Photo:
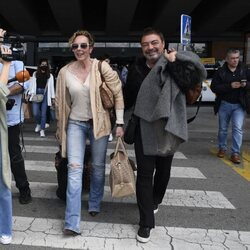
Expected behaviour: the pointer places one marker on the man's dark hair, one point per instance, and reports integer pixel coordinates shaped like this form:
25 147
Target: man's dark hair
232 51
150 31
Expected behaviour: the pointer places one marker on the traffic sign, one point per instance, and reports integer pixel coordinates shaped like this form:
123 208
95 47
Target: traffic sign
185 29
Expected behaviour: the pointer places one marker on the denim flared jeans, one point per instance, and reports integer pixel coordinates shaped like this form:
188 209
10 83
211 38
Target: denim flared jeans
5 205
40 109
234 113
77 134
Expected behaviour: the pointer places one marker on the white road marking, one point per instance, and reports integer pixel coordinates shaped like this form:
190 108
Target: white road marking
173 197
54 149
176 172
29 231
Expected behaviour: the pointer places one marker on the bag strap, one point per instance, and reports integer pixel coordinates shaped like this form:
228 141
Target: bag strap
197 110
100 70
118 144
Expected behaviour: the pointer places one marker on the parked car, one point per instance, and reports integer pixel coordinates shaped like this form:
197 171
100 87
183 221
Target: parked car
207 94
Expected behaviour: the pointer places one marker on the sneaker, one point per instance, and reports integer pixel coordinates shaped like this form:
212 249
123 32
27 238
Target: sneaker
25 196
143 234
46 125
5 239
42 133
110 137
156 209
38 128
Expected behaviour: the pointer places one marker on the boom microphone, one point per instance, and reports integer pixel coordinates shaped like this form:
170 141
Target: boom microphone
21 76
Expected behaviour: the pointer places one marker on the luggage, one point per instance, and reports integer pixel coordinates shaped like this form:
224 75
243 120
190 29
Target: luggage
62 173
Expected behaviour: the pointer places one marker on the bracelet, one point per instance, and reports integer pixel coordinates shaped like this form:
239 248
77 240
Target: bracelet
119 125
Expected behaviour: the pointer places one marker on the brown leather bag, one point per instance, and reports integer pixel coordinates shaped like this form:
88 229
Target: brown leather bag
106 94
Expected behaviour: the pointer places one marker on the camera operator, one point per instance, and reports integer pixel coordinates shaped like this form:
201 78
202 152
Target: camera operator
15 118
5 172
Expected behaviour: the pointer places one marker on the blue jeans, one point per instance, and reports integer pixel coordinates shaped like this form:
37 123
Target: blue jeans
5 206
40 109
77 134
235 113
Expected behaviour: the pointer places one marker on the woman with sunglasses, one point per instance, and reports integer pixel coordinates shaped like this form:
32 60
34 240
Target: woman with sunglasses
81 117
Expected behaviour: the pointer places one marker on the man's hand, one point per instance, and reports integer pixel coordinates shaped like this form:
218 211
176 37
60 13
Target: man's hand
2 33
5 51
235 85
170 54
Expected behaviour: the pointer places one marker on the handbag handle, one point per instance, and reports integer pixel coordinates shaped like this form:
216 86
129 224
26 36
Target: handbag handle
120 143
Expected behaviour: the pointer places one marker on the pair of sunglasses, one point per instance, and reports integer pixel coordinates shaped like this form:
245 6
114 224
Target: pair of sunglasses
75 46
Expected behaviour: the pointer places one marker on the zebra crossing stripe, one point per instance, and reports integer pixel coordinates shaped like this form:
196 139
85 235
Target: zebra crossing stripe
54 149
29 231
176 172
173 197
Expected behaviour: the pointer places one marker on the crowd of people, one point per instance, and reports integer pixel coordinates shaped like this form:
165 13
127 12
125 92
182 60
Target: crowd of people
152 87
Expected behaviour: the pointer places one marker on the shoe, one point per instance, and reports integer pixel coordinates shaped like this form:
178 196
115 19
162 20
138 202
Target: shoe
93 213
143 234
42 133
221 153
5 239
156 209
69 232
46 125
38 128
235 158
25 196
110 137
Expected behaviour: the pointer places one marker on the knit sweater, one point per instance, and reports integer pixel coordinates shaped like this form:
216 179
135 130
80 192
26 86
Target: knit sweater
101 119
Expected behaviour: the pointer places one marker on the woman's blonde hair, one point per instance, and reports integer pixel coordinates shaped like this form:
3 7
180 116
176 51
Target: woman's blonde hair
82 33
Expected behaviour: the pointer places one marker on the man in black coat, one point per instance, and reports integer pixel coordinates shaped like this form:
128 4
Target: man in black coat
229 84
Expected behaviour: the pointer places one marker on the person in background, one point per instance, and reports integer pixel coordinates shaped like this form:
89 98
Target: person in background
81 116
15 118
5 171
229 84
42 83
152 88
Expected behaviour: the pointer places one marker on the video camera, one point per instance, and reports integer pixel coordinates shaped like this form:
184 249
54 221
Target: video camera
15 43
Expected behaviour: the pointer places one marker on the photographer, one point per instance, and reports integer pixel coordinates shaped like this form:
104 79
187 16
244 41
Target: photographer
15 118
5 173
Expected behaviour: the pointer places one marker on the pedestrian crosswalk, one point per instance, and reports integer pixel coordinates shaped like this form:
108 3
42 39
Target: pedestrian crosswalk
46 231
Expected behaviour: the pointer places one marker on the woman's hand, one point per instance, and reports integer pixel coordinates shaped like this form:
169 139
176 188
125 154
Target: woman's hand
119 132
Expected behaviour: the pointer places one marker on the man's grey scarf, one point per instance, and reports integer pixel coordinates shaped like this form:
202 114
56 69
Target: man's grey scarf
162 108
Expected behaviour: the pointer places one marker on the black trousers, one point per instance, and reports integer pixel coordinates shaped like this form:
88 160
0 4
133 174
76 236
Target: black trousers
153 174
16 158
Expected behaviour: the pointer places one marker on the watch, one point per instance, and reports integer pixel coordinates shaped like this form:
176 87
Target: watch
119 125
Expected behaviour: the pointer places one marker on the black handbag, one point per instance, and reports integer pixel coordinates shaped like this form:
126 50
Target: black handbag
130 130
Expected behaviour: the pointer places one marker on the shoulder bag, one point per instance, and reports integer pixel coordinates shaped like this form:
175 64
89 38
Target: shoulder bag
130 130
106 94
122 177
38 97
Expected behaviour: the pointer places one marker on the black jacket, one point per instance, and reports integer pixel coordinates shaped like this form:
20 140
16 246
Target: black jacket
136 74
221 85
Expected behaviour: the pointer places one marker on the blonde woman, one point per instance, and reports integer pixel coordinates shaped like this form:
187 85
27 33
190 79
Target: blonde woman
81 116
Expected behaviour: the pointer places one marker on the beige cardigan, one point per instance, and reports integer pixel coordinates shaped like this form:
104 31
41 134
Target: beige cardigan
101 121
6 172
